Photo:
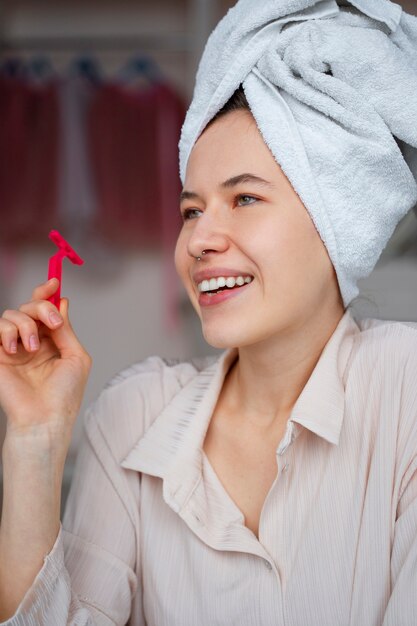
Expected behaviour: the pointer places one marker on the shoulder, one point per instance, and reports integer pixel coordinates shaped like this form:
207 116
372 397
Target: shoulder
383 371
134 397
386 351
157 369
386 341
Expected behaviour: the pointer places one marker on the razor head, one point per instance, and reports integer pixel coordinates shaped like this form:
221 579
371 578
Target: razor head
65 247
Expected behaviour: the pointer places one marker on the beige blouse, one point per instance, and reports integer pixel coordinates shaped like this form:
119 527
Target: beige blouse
151 537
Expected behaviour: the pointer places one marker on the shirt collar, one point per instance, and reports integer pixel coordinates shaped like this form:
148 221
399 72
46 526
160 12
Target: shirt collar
320 406
171 448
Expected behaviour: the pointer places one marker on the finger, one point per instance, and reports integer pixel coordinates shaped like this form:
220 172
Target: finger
8 336
45 290
43 311
25 326
65 338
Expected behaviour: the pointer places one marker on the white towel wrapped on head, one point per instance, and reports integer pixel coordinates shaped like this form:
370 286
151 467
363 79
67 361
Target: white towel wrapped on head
332 86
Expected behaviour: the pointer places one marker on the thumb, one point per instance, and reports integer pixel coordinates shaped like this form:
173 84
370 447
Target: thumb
64 307
64 337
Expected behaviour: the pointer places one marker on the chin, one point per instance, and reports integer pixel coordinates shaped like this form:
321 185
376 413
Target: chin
223 340
218 342
224 337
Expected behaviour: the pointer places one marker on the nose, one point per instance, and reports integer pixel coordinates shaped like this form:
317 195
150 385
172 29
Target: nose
208 234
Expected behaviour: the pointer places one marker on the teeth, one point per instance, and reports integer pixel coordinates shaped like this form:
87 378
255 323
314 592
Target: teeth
230 281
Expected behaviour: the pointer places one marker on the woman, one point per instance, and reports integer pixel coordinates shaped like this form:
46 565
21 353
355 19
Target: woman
275 484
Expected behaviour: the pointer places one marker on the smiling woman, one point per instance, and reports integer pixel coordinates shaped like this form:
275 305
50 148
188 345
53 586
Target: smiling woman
275 484
240 209
280 319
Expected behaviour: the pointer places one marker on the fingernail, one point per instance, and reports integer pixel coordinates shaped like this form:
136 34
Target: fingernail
55 318
13 346
33 342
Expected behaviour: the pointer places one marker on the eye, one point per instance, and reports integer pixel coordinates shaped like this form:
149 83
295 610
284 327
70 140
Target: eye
243 195
188 214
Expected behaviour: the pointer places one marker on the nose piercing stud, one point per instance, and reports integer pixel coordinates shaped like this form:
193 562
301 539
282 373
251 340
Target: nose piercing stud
199 257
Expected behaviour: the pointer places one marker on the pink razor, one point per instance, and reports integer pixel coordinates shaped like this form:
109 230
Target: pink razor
55 262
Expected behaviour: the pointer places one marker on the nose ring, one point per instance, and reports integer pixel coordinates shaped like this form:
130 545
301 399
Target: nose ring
199 257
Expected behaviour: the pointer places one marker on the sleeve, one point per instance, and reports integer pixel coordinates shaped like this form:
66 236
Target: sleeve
88 578
402 605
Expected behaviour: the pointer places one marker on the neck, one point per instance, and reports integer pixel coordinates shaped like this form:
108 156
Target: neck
267 378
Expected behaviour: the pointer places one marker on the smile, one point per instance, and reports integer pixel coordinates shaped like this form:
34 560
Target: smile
221 283
222 289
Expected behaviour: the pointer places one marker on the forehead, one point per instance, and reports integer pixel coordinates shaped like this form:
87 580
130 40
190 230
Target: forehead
231 145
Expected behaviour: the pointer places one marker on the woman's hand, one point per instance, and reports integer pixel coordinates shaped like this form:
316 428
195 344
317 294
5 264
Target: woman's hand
43 368
43 372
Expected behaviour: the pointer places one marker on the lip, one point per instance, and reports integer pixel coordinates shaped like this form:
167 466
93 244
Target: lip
205 300
215 272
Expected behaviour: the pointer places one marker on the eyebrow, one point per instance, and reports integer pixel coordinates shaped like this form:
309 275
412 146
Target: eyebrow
229 184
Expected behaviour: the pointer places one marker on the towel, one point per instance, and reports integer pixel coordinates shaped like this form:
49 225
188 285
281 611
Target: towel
332 86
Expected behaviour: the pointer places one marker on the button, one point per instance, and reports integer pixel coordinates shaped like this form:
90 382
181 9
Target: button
197 518
268 564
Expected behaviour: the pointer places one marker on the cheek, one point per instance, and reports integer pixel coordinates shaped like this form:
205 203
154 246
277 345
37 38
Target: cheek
289 249
271 242
308 261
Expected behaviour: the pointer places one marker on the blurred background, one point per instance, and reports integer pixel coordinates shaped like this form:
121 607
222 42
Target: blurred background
92 99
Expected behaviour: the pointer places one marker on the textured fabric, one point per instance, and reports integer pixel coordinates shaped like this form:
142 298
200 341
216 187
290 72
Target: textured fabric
29 138
150 536
133 136
77 202
326 82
